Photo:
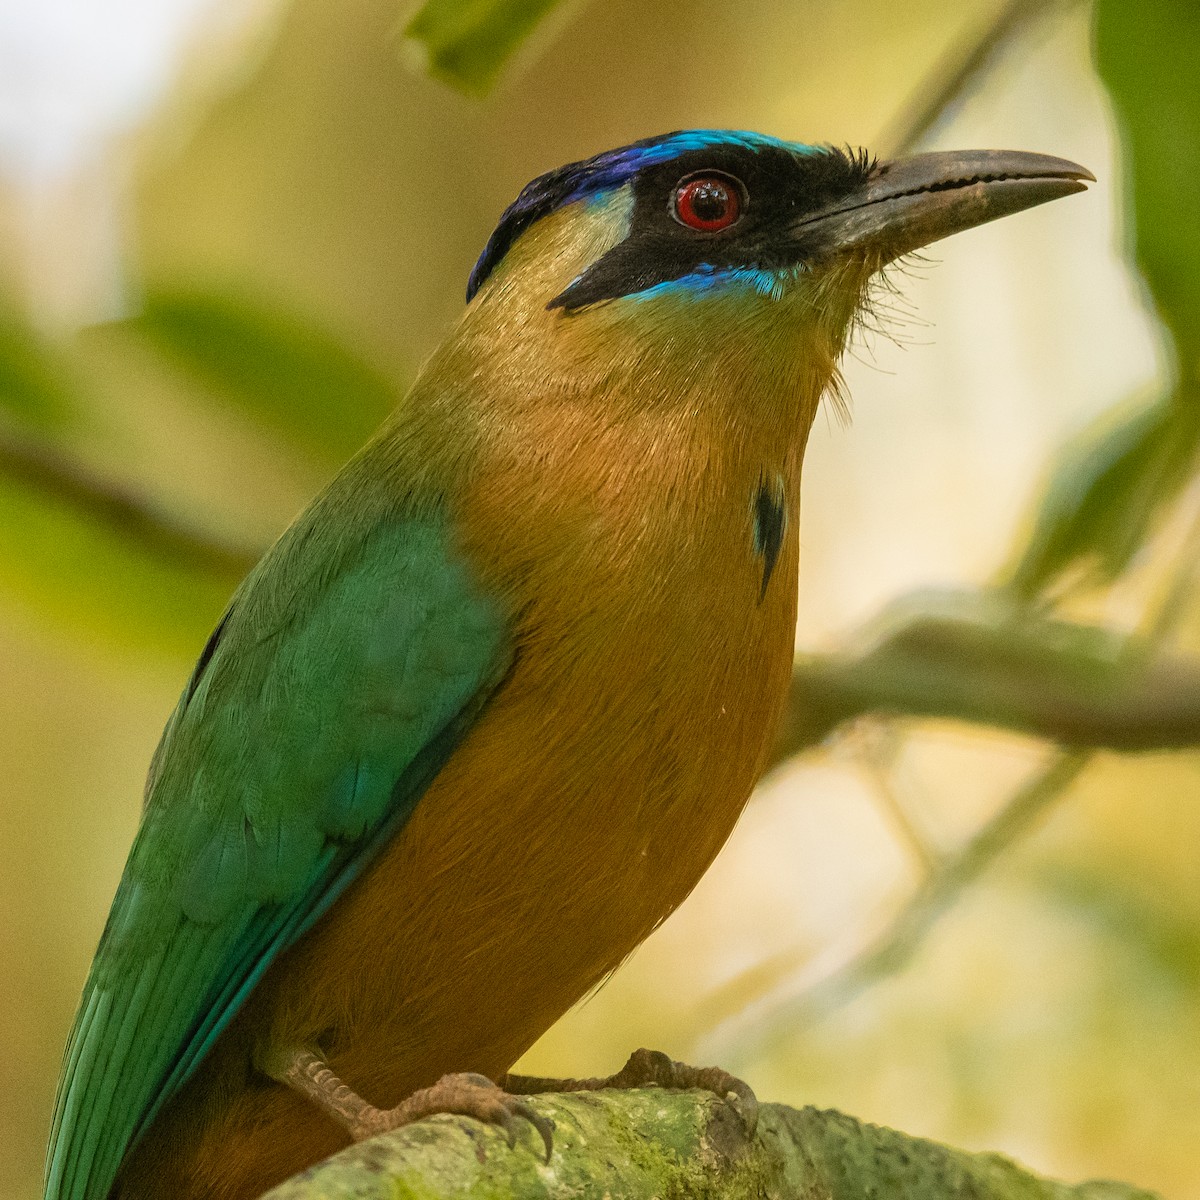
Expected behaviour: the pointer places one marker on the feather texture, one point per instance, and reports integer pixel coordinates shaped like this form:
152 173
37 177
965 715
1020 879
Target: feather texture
271 794
501 693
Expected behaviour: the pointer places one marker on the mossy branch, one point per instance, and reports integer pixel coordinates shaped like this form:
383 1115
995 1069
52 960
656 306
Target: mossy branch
673 1146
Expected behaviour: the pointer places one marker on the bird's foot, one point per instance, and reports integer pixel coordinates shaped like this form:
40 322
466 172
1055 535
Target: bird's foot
648 1068
466 1094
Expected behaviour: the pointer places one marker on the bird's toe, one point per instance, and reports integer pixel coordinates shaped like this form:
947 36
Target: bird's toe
468 1095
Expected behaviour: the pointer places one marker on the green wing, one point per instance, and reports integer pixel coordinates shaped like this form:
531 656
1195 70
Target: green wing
340 680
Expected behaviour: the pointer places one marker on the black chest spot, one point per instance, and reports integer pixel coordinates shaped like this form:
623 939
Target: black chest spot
770 518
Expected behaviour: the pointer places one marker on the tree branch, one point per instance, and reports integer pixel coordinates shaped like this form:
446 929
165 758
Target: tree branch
960 70
658 1144
895 945
978 657
47 469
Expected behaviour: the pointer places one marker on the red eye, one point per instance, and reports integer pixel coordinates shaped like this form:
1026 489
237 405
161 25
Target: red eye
708 203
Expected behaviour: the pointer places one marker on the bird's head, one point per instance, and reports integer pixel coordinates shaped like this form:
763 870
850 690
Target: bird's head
705 247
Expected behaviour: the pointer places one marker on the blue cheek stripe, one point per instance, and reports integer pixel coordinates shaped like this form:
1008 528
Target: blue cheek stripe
707 280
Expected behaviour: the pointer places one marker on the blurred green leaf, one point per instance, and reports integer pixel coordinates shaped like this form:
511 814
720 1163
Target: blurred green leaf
1111 487
36 386
285 372
1106 492
1146 54
78 567
466 43
1161 938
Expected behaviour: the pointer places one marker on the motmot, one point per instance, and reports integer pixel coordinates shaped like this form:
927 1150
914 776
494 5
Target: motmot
484 714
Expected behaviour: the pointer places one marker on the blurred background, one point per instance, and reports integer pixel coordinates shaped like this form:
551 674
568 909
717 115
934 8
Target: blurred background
966 903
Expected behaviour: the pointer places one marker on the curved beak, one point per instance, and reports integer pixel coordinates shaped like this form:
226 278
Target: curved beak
908 203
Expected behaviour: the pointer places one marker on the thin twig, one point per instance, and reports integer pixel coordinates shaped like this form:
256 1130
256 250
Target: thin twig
54 473
879 741
960 70
894 948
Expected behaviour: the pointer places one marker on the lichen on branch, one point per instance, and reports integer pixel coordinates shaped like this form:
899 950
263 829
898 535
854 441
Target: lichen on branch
638 1145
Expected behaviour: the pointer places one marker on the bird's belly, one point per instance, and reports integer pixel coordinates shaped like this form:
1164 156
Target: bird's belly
560 834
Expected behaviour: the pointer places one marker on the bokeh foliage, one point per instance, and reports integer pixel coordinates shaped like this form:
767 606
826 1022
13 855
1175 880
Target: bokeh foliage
37 389
114 561
467 42
292 376
1111 488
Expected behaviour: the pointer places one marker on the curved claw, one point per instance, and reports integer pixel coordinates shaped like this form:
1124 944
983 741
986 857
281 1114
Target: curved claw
741 1098
544 1125
465 1094
508 1122
497 1107
653 1066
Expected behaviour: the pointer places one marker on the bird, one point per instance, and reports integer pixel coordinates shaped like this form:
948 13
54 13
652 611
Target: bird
481 718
